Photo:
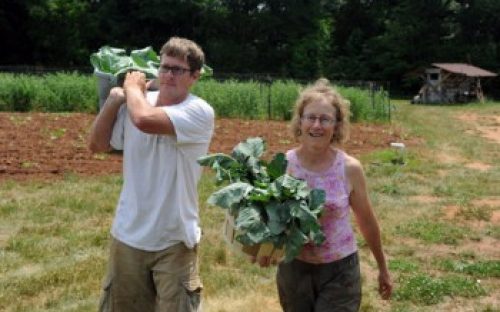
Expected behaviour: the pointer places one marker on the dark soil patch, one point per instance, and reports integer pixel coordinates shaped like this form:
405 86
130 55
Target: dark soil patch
48 145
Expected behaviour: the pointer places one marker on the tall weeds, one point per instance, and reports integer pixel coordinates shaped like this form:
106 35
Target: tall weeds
72 92
48 93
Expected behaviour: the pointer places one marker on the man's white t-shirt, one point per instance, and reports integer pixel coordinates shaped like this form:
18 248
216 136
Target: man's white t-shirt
158 205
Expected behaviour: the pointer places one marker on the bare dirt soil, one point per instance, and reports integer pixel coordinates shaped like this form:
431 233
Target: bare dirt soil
486 126
50 146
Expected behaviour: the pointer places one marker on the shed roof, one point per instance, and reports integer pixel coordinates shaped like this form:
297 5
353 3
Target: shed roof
464 69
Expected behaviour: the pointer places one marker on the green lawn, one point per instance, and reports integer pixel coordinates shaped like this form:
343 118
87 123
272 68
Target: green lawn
438 213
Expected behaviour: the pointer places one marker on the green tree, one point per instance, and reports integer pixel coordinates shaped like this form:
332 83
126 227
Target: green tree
415 32
60 31
478 32
13 32
355 24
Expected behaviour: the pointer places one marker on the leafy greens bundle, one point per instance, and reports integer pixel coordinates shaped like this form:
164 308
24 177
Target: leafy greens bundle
268 204
116 62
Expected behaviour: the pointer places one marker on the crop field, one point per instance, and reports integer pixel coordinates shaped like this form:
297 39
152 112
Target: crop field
438 205
53 145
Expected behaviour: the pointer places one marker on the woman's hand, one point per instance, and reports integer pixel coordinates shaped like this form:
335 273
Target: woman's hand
263 261
384 285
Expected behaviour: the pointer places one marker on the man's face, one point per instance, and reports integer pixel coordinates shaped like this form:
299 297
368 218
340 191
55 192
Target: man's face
175 76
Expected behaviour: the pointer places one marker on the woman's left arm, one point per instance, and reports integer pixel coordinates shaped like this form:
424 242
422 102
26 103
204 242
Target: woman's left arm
368 224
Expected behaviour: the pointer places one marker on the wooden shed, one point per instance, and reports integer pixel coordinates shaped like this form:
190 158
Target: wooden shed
452 83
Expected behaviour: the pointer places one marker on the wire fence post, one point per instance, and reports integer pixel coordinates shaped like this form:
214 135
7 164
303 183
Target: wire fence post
269 81
389 99
371 85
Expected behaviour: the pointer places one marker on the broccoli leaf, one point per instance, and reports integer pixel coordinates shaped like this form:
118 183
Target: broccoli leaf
316 235
287 187
226 168
146 57
231 195
295 242
316 200
109 59
251 147
277 166
259 195
257 171
278 215
248 217
250 222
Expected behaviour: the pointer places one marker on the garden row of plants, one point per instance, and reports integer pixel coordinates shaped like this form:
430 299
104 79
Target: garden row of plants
74 92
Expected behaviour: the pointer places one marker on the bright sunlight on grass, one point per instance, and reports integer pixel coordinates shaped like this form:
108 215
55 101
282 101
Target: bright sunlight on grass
438 212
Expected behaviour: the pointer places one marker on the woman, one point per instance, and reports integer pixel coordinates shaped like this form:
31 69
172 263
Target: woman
327 277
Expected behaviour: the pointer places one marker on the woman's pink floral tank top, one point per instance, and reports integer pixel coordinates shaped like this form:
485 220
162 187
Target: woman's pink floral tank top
335 219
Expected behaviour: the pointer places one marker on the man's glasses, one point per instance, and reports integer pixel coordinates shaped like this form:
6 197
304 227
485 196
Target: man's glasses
175 70
324 121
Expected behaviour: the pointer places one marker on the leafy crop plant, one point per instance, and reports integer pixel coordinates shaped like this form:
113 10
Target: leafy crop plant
269 205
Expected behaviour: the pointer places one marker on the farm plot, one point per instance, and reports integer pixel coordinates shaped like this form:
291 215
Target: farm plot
50 145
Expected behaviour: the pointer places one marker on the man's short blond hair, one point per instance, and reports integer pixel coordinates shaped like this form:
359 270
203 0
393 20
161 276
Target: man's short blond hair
185 49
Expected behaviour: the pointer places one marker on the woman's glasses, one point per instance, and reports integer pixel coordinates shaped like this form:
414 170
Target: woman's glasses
324 120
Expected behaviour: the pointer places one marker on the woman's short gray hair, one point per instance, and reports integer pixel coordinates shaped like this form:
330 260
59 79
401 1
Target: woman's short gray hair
322 89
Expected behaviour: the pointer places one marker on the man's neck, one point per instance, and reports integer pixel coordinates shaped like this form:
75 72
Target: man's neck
168 100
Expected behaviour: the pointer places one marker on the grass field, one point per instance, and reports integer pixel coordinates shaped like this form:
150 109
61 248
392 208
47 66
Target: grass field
439 213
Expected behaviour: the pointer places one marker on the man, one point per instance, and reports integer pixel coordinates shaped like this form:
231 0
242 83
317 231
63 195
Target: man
153 255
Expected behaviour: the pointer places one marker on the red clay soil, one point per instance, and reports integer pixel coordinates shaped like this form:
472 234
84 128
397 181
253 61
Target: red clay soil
50 146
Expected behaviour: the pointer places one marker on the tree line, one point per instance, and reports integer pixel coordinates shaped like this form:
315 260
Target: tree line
387 40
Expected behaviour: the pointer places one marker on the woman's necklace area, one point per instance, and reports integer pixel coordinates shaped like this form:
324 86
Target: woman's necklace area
318 162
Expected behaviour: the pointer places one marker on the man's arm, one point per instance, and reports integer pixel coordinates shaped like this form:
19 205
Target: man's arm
147 118
102 128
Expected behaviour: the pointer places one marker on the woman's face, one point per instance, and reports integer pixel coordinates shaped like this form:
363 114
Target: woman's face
317 124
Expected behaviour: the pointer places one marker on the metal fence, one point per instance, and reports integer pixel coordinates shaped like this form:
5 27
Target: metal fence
379 91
